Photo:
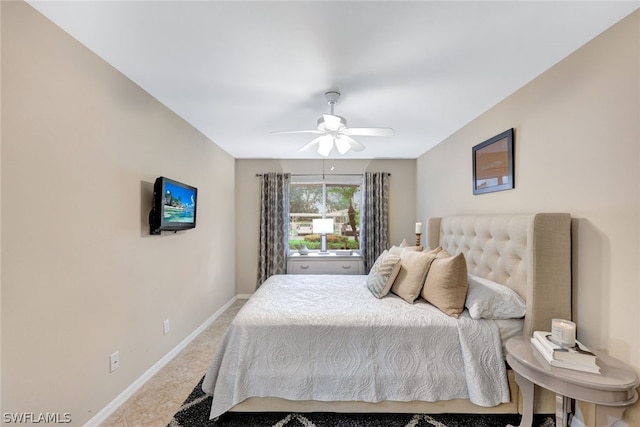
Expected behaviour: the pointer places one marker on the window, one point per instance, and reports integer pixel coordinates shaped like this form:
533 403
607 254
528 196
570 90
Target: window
309 201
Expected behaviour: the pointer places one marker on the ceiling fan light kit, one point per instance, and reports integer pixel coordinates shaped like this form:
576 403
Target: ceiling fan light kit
334 132
331 123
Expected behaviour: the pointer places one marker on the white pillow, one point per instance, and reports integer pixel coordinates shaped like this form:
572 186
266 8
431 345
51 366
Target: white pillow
396 250
491 300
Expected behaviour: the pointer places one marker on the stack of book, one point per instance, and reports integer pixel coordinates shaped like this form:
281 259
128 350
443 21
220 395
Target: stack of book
578 357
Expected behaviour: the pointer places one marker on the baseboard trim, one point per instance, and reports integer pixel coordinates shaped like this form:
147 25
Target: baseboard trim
104 413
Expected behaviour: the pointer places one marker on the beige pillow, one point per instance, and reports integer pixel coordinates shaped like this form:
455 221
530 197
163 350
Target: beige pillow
414 266
446 284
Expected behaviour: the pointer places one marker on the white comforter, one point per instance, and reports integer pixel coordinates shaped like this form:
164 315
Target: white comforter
327 338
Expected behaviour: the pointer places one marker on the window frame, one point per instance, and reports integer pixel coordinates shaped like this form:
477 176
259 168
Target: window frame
326 184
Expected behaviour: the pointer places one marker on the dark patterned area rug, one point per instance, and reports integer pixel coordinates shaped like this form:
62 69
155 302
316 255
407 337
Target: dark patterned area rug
195 413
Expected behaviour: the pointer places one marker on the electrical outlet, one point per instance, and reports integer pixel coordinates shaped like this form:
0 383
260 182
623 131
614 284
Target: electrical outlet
114 360
165 326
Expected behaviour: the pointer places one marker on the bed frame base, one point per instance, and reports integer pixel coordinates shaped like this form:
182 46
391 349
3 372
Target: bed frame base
544 404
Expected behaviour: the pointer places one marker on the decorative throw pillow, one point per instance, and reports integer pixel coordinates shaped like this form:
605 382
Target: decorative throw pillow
490 300
446 284
383 273
414 267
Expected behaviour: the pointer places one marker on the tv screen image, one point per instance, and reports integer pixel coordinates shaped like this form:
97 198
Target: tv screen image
174 206
179 203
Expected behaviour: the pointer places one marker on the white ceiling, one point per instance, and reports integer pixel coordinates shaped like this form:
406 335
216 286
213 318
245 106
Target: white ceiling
239 70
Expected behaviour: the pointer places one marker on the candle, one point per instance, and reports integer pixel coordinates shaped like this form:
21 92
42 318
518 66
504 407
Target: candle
418 228
563 332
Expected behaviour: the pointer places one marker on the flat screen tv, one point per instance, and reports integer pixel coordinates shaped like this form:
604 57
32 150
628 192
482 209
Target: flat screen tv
174 206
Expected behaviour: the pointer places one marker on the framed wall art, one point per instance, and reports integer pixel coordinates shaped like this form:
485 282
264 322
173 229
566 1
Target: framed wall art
493 164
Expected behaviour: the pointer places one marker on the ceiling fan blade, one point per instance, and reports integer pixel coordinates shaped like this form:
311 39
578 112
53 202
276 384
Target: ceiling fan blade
355 145
369 131
343 144
325 145
295 131
310 143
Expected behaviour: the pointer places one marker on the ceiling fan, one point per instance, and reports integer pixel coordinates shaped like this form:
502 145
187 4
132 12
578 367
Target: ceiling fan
333 130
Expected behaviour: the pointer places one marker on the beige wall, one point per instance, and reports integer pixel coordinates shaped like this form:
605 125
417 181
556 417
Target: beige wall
0 214
81 276
402 203
577 145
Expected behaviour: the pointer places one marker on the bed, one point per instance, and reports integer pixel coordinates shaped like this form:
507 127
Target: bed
296 345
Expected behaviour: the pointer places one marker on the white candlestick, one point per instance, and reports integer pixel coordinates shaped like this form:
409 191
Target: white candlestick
418 228
563 332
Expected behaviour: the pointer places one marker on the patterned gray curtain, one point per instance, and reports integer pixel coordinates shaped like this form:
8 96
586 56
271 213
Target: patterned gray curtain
274 224
374 236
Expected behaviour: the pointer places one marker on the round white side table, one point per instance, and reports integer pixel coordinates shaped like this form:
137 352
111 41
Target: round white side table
612 390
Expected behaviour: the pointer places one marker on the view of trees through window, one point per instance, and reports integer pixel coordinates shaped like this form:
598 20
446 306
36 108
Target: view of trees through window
340 202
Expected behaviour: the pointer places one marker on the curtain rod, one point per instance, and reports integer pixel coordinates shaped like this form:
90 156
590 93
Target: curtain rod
325 174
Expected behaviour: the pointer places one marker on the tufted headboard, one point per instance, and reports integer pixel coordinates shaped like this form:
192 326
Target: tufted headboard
529 253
